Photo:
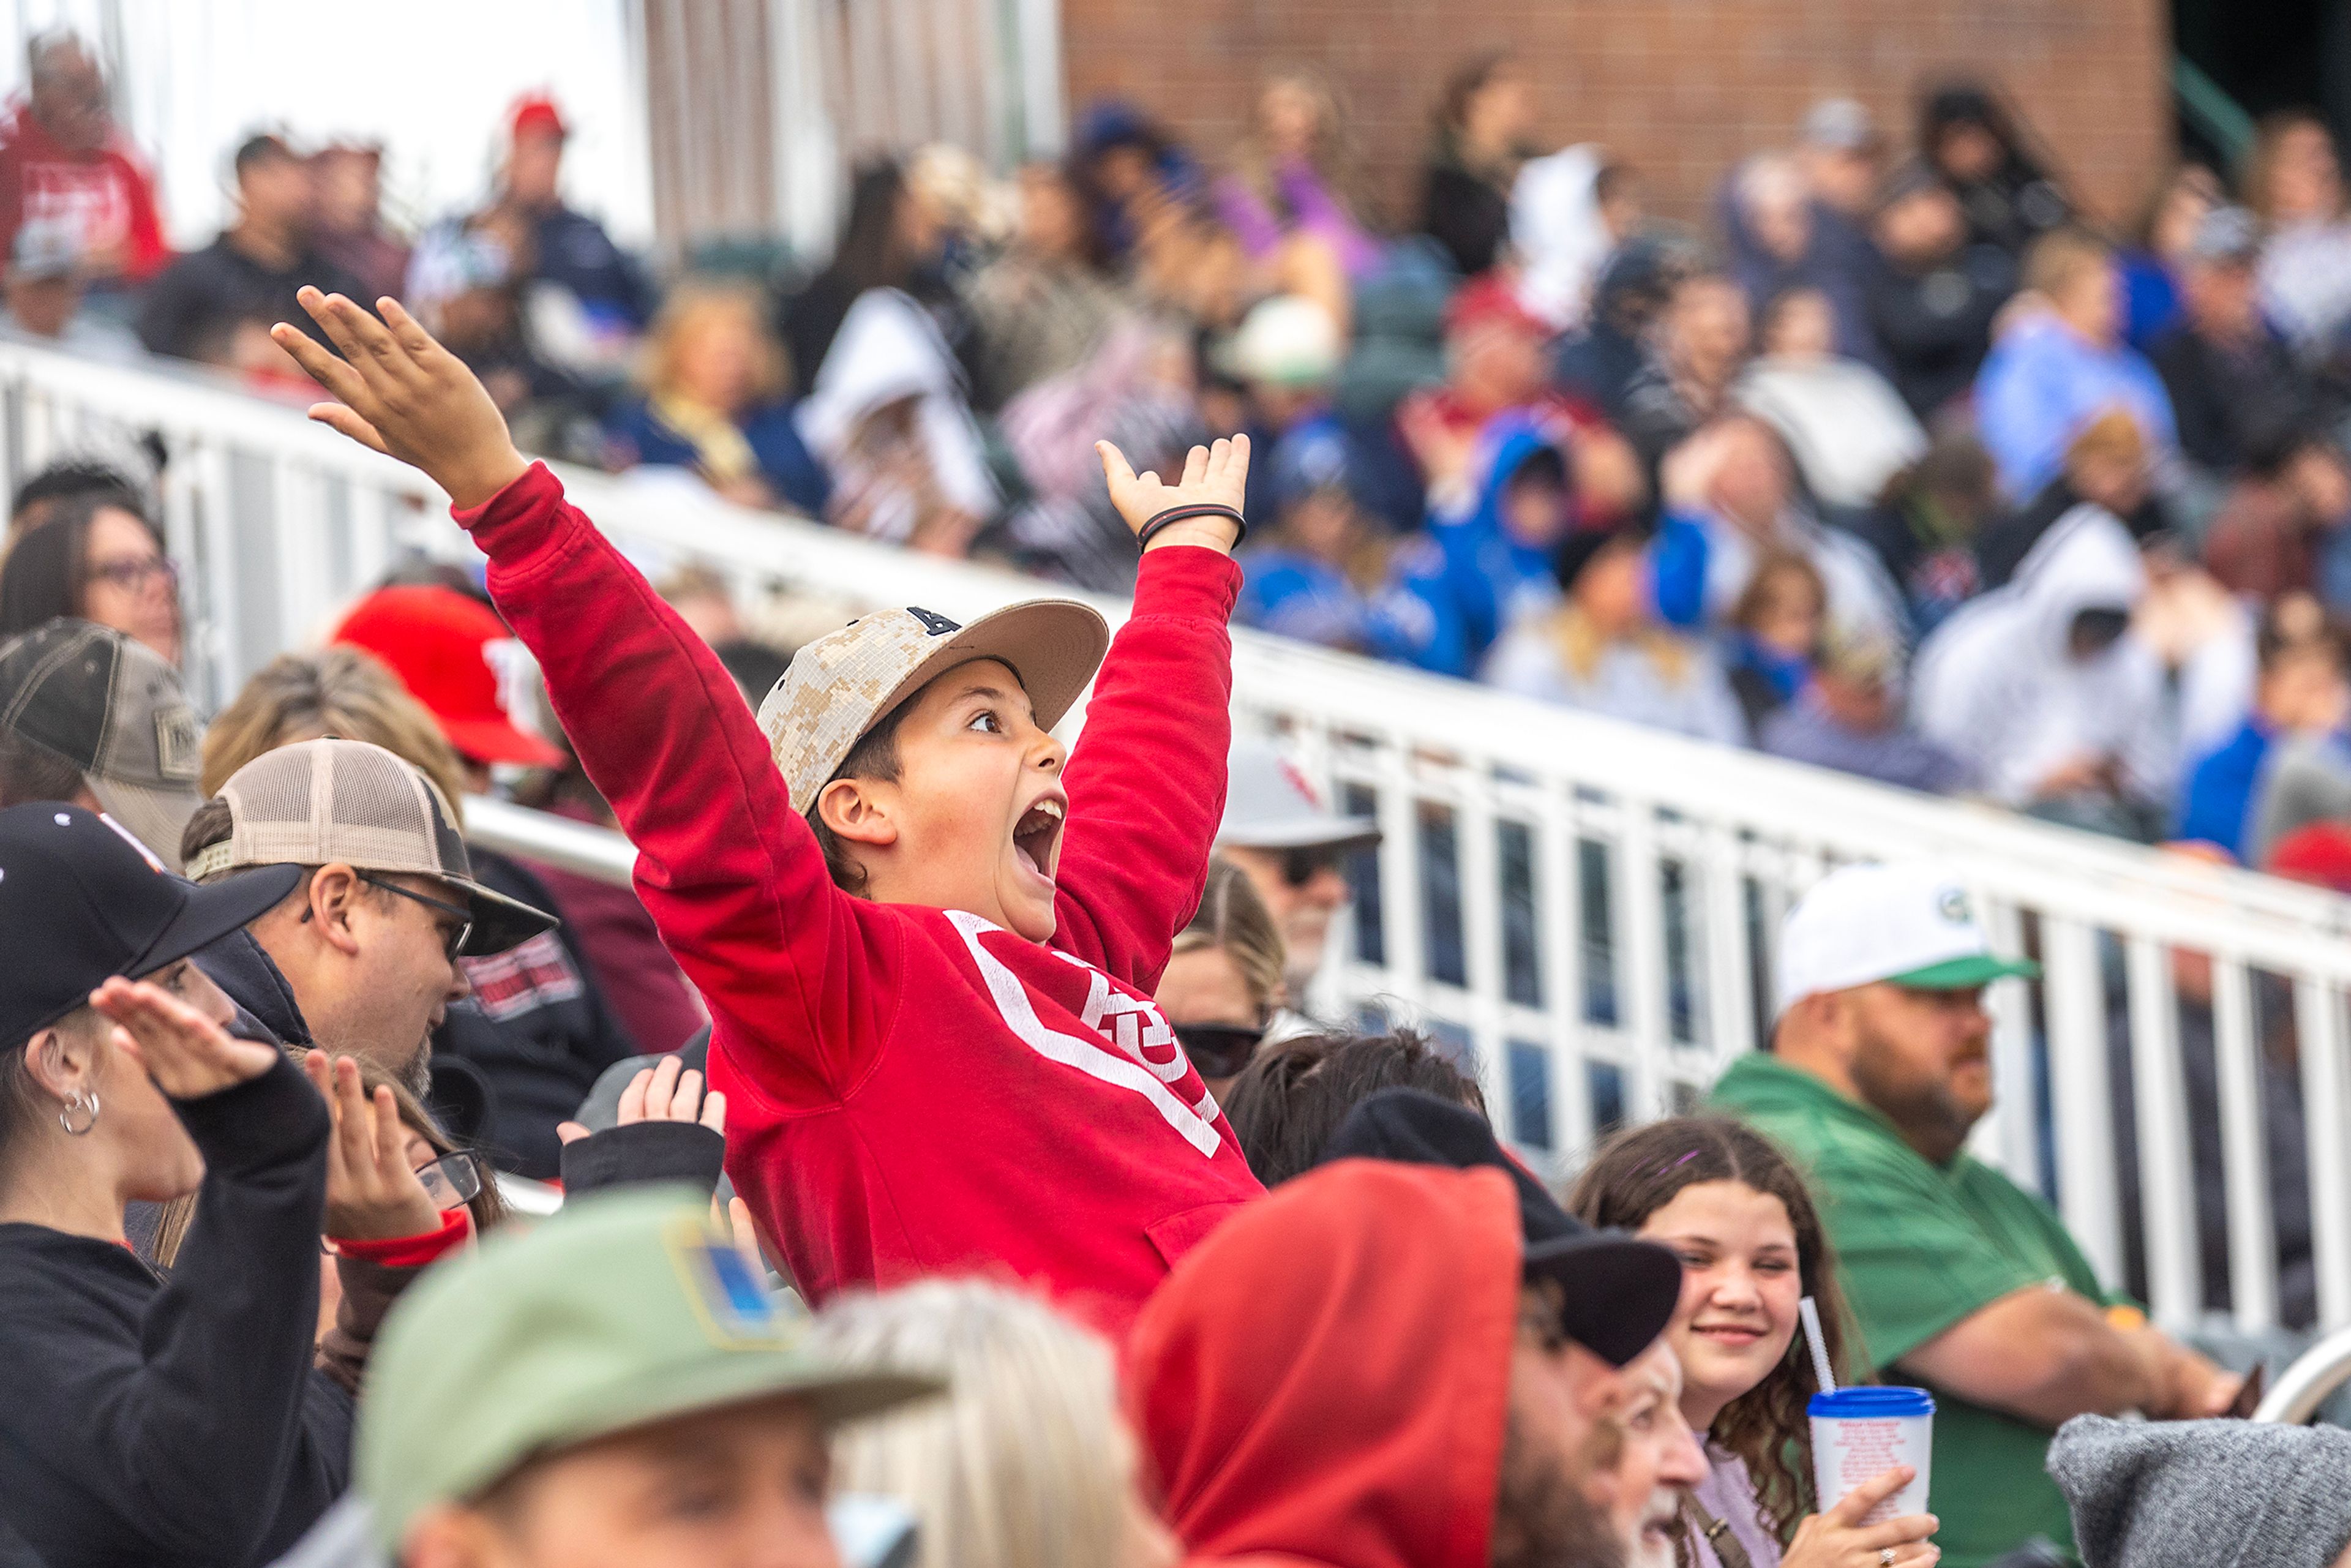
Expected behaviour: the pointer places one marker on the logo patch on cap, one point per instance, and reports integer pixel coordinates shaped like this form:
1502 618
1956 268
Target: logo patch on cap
727 1295
177 741
1954 907
938 625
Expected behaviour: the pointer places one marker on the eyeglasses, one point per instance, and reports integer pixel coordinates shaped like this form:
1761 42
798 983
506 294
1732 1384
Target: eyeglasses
132 575
452 1179
1300 867
1220 1050
453 937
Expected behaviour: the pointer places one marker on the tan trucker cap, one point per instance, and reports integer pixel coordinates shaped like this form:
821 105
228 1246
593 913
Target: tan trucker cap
327 802
846 682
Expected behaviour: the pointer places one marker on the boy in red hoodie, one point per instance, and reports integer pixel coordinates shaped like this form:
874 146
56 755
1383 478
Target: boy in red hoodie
928 952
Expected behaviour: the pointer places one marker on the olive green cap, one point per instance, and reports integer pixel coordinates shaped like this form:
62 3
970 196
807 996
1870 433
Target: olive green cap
620 1310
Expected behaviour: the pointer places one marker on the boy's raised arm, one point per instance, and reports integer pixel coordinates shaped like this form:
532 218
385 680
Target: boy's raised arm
1147 783
657 722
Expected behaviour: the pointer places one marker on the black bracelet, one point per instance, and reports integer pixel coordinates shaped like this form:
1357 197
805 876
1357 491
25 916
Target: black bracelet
1197 510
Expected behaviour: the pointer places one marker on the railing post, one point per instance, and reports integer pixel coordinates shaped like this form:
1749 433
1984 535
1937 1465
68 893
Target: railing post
2244 1155
2084 1106
2167 1176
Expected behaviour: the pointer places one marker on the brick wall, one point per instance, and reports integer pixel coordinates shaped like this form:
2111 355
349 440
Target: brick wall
1682 87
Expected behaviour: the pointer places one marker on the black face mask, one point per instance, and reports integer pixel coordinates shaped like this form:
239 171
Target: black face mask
2095 631
1220 1050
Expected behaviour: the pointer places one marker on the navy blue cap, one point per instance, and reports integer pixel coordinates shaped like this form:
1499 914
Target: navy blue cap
1619 1292
82 900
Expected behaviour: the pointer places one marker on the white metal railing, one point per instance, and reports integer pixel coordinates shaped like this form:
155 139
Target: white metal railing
1585 907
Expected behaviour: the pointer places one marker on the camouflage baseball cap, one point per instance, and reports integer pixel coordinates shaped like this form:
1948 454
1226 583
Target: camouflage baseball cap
846 682
621 1310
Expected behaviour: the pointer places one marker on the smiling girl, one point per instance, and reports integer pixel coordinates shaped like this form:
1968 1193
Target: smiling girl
1751 1247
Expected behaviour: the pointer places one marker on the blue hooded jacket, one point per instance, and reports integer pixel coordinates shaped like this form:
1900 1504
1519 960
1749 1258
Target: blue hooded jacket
1471 576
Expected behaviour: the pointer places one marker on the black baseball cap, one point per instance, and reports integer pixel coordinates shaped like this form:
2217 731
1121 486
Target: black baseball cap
82 900
1619 1292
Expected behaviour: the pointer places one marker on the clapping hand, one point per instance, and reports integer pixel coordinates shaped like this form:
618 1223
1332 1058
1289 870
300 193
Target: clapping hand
373 1192
668 1091
1213 476
405 396
187 1054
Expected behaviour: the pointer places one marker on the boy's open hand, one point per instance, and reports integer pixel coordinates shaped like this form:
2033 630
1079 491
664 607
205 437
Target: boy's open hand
1212 475
405 396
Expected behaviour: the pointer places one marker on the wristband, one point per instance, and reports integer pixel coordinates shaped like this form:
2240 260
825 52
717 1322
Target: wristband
1195 509
408 1251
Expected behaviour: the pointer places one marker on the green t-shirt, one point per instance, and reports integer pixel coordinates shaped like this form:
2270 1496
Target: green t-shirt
1918 1247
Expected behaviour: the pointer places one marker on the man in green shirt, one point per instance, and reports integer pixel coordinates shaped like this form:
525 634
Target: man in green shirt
1960 1281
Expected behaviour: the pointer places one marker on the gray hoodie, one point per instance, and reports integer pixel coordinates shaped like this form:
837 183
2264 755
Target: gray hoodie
2205 1494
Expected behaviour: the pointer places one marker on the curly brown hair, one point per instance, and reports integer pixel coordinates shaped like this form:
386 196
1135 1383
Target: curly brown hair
1639 1172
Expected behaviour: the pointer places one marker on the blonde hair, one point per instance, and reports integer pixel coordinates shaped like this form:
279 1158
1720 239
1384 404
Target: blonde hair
693 306
2063 255
340 692
1233 920
1025 1462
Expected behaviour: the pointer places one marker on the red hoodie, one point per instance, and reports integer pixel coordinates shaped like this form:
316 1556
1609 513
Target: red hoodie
912 1091
1326 1379
103 196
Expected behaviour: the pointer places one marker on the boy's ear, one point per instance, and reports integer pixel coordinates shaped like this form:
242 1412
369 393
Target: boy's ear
854 809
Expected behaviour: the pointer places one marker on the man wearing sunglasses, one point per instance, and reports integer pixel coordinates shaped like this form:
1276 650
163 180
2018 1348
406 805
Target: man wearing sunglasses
1294 848
370 938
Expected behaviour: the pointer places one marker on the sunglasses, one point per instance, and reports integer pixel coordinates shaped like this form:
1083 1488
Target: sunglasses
1220 1050
453 937
1300 867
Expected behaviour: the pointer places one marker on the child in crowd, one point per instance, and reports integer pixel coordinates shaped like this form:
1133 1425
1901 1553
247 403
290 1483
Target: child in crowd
928 955
1479 570
1321 575
1734 1210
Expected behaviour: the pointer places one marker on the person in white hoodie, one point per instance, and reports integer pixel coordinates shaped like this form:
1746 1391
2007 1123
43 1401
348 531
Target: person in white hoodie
2045 689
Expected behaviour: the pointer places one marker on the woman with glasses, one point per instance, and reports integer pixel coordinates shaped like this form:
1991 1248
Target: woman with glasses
1224 980
94 558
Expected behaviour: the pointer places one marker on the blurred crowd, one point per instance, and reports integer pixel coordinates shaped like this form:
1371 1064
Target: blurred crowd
1899 464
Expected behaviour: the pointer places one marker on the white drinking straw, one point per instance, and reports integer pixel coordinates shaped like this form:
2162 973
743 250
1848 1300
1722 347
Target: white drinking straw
1811 1316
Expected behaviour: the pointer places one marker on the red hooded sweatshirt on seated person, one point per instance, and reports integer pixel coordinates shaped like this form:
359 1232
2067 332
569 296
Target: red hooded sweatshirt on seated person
1325 1380
914 1091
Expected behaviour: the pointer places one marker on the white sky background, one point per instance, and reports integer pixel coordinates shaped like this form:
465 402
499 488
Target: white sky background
432 80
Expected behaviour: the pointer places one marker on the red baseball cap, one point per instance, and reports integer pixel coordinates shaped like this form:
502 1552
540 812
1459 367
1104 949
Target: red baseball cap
1490 298
537 112
437 641
2318 853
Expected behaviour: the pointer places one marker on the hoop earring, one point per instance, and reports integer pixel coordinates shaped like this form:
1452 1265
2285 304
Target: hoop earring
78 1101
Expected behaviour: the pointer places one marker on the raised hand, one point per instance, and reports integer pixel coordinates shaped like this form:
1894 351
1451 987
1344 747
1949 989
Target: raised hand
405 396
187 1054
668 1091
372 1193
1214 475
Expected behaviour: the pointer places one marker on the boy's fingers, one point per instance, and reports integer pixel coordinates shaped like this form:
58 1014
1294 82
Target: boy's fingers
571 1131
1195 466
336 376
355 331
687 1099
388 1139
713 1111
332 315
1116 467
338 417
403 326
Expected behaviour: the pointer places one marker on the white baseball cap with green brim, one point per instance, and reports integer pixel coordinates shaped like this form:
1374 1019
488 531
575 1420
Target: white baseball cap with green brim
1909 924
846 682
620 1312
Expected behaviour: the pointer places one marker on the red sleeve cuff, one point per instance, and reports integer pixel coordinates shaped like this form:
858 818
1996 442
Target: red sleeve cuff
409 1251
1187 580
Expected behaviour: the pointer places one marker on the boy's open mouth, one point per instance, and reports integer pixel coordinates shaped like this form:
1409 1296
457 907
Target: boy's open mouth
1037 834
